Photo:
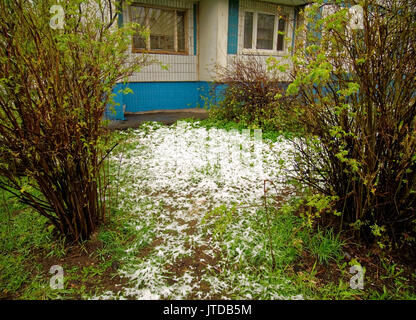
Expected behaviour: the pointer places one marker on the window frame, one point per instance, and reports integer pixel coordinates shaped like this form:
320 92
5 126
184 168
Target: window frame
186 26
253 49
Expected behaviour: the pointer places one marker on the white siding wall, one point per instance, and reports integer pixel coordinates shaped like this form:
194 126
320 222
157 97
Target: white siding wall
213 36
180 67
212 40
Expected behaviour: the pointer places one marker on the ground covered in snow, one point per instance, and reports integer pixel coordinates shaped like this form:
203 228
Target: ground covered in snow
196 196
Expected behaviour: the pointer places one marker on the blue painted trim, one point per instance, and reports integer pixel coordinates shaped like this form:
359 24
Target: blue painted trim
320 17
233 12
120 14
311 27
294 28
148 96
195 12
115 111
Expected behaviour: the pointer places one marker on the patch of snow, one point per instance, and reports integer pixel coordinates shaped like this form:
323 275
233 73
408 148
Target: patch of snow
185 172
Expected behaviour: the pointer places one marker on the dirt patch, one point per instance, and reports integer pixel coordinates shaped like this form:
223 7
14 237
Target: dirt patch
376 276
144 252
198 264
79 258
192 227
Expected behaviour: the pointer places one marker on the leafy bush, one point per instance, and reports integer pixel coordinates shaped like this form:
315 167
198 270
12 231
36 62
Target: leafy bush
253 95
54 87
356 90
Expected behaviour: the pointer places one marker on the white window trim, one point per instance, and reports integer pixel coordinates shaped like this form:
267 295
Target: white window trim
253 49
286 12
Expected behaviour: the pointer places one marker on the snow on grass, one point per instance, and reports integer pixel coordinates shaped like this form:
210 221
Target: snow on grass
171 177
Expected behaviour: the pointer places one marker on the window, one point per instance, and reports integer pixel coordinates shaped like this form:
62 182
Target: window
265 31
260 31
167 28
281 34
248 30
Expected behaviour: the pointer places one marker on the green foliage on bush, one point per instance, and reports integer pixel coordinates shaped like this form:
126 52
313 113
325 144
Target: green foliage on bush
356 91
55 84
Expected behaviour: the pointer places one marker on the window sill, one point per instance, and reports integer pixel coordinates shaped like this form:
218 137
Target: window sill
161 52
259 52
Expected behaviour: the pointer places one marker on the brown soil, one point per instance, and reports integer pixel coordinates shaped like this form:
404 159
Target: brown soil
78 256
376 276
196 263
144 252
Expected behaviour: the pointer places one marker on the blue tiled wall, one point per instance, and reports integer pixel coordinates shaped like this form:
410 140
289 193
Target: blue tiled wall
233 26
148 96
120 15
116 112
162 95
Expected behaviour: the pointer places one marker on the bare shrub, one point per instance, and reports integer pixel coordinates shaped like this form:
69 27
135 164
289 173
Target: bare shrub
253 94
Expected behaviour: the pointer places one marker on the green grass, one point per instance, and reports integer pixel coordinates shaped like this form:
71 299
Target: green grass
291 242
23 234
252 258
272 135
326 246
26 241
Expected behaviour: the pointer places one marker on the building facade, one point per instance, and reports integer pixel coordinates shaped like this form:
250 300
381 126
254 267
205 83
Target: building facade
191 38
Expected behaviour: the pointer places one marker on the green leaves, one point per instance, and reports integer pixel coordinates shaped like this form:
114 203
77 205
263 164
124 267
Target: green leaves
356 93
293 88
54 91
353 88
222 216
